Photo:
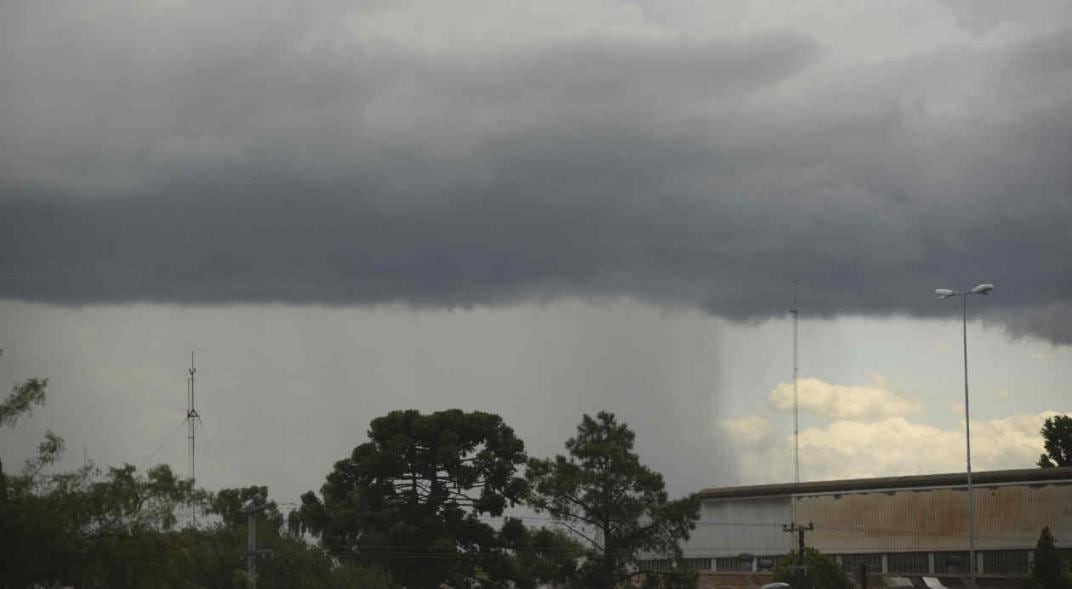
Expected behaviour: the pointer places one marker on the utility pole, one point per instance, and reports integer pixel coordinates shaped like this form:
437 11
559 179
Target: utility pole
799 530
251 508
251 548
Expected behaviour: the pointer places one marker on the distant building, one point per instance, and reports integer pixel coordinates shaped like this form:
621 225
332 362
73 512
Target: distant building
910 525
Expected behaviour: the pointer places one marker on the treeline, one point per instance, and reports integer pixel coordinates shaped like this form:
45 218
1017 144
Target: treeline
421 503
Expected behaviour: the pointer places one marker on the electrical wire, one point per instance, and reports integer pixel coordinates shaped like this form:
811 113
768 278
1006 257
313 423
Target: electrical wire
163 442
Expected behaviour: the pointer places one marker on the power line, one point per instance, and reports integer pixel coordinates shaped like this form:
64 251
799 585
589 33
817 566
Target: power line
163 442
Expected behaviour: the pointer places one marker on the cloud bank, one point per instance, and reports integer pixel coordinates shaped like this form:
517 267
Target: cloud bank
482 153
869 433
860 403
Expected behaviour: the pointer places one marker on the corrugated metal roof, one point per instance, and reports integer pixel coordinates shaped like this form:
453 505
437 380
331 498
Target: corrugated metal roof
958 479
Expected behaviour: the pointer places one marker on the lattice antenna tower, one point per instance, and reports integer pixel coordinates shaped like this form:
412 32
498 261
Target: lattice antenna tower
192 421
796 405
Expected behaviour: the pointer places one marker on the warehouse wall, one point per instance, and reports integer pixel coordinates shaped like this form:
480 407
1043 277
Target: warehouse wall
936 519
921 531
728 528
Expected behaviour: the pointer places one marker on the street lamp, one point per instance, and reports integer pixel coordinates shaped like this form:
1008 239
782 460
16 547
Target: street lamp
945 293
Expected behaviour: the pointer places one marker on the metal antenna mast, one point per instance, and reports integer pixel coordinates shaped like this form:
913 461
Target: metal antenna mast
192 419
796 405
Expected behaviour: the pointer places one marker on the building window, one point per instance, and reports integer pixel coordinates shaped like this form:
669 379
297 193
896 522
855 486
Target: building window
1005 562
665 565
697 564
951 563
657 565
908 563
851 562
732 564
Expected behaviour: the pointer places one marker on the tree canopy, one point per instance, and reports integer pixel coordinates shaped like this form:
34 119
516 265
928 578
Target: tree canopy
821 571
24 396
121 528
1057 439
124 528
422 503
411 499
602 492
1048 570
532 557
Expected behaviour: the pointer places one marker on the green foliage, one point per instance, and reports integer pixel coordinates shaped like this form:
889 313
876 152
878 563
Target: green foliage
532 557
822 571
22 399
351 576
406 506
602 486
410 499
1057 439
228 505
91 528
1049 570
120 528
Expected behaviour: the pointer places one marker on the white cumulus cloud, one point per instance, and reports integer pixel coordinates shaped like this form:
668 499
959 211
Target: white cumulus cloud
871 433
869 402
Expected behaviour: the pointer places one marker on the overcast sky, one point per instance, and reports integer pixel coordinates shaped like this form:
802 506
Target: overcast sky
538 209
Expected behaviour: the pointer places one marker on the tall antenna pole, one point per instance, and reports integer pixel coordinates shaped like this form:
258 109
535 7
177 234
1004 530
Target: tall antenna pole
191 420
796 405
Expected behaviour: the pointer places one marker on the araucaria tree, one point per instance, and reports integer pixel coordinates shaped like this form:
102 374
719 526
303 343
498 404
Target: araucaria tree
1057 439
411 498
605 495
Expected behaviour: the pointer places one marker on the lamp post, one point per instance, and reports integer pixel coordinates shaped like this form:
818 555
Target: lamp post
945 293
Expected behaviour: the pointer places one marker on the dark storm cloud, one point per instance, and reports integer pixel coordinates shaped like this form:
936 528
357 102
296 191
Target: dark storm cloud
263 163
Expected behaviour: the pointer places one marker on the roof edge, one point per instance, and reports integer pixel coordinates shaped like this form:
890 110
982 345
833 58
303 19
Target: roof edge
992 477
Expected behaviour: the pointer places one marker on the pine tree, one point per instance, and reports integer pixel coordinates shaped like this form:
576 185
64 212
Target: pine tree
1049 570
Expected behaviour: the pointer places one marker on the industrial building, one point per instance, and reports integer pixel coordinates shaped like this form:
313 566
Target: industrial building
909 525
